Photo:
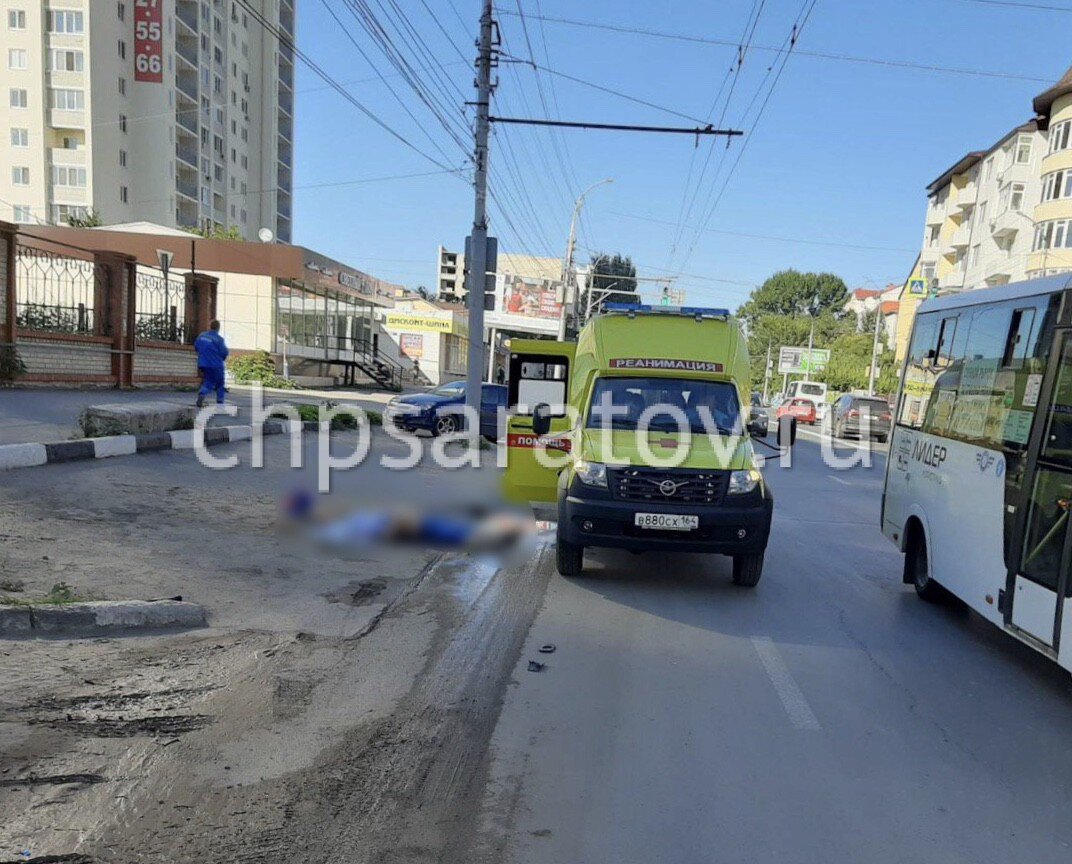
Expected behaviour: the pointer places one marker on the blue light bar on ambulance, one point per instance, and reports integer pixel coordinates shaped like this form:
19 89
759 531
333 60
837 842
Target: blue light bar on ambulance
649 309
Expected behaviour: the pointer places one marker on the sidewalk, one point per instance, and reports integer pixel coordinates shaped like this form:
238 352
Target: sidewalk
51 416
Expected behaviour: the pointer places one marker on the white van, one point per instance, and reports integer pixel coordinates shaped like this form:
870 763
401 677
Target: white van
813 391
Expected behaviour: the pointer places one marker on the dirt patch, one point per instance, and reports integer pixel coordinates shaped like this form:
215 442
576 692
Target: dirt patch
123 728
358 593
52 780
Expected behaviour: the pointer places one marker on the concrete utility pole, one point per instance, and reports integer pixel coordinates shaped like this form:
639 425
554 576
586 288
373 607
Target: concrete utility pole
568 302
766 375
874 352
476 278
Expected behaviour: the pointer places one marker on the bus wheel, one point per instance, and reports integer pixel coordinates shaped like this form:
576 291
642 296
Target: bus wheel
917 564
569 558
747 569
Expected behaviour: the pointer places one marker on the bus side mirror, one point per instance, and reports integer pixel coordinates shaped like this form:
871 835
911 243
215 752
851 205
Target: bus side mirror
787 431
541 419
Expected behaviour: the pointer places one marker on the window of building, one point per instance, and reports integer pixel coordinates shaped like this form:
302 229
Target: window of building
16 19
122 86
1059 134
1057 184
975 254
68 100
122 158
22 213
17 98
62 212
121 10
123 123
932 235
1023 149
124 194
65 175
64 60
20 175
65 21
18 58
122 50
20 137
927 271
242 215
71 143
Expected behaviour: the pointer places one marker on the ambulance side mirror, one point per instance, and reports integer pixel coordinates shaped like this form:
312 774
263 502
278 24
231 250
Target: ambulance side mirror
541 419
787 431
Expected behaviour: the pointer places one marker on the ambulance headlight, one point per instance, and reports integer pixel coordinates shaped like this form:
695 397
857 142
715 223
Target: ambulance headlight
591 473
743 482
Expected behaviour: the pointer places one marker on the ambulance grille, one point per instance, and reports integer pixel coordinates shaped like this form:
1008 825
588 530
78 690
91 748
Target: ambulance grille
673 486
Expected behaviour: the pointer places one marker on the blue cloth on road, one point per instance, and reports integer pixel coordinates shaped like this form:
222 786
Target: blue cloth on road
211 350
212 379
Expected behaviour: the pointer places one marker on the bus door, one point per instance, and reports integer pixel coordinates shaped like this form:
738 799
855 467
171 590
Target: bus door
1041 579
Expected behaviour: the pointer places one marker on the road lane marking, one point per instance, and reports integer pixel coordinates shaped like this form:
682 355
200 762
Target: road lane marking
796 706
839 480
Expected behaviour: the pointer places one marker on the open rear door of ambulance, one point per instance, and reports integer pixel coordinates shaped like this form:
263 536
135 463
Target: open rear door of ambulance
539 374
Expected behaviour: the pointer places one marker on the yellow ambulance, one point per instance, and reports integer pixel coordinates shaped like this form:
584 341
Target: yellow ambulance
637 436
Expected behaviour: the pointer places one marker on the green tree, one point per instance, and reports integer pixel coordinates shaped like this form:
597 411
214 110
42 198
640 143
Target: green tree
609 272
216 232
792 293
91 219
778 330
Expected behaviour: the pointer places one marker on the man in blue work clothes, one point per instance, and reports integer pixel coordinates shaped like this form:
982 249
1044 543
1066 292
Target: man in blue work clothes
211 352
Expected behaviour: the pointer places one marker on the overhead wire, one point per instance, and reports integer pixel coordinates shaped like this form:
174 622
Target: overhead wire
284 40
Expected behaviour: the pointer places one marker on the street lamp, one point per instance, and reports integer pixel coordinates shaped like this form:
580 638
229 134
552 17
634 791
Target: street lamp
567 265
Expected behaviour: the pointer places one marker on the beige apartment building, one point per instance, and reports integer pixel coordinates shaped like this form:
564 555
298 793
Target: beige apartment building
178 112
999 215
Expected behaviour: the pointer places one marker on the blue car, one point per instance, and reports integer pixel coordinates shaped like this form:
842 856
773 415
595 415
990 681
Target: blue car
439 411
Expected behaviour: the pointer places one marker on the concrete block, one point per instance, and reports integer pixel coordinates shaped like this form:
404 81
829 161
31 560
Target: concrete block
153 441
73 618
136 418
70 451
135 614
22 455
183 439
118 445
239 433
14 621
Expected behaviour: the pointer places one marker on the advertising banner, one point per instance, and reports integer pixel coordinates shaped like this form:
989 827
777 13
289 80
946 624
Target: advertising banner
794 361
148 41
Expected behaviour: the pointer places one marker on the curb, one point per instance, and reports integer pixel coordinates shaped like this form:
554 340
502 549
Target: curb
99 617
30 455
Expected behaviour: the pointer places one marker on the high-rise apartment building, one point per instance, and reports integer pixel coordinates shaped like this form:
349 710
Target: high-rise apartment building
177 112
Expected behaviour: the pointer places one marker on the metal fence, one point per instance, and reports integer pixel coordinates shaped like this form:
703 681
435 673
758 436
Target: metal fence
59 293
160 307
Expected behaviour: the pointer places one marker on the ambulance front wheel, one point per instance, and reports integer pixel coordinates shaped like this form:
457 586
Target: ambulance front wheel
747 569
569 557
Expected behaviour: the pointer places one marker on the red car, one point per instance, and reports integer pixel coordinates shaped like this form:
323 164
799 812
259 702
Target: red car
802 409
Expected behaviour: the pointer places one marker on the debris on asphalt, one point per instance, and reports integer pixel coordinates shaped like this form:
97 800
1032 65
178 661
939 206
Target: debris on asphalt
535 666
547 649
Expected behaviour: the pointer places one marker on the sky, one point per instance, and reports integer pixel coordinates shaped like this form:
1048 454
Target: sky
829 175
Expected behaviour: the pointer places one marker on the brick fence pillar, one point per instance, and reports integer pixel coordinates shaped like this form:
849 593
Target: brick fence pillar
7 282
116 286
201 290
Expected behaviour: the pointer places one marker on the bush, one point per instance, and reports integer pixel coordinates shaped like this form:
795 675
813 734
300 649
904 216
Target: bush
259 368
11 365
311 414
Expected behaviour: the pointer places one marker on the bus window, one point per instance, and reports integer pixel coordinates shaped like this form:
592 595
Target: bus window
1057 443
919 372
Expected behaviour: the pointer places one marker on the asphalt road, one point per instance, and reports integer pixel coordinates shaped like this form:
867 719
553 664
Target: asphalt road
826 716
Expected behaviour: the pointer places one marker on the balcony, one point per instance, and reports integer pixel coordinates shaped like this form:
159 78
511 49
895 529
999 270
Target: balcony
186 187
998 269
286 100
187 50
285 155
60 119
936 214
958 241
186 84
186 12
67 156
953 280
187 121
967 196
929 255
1005 225
187 155
286 127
